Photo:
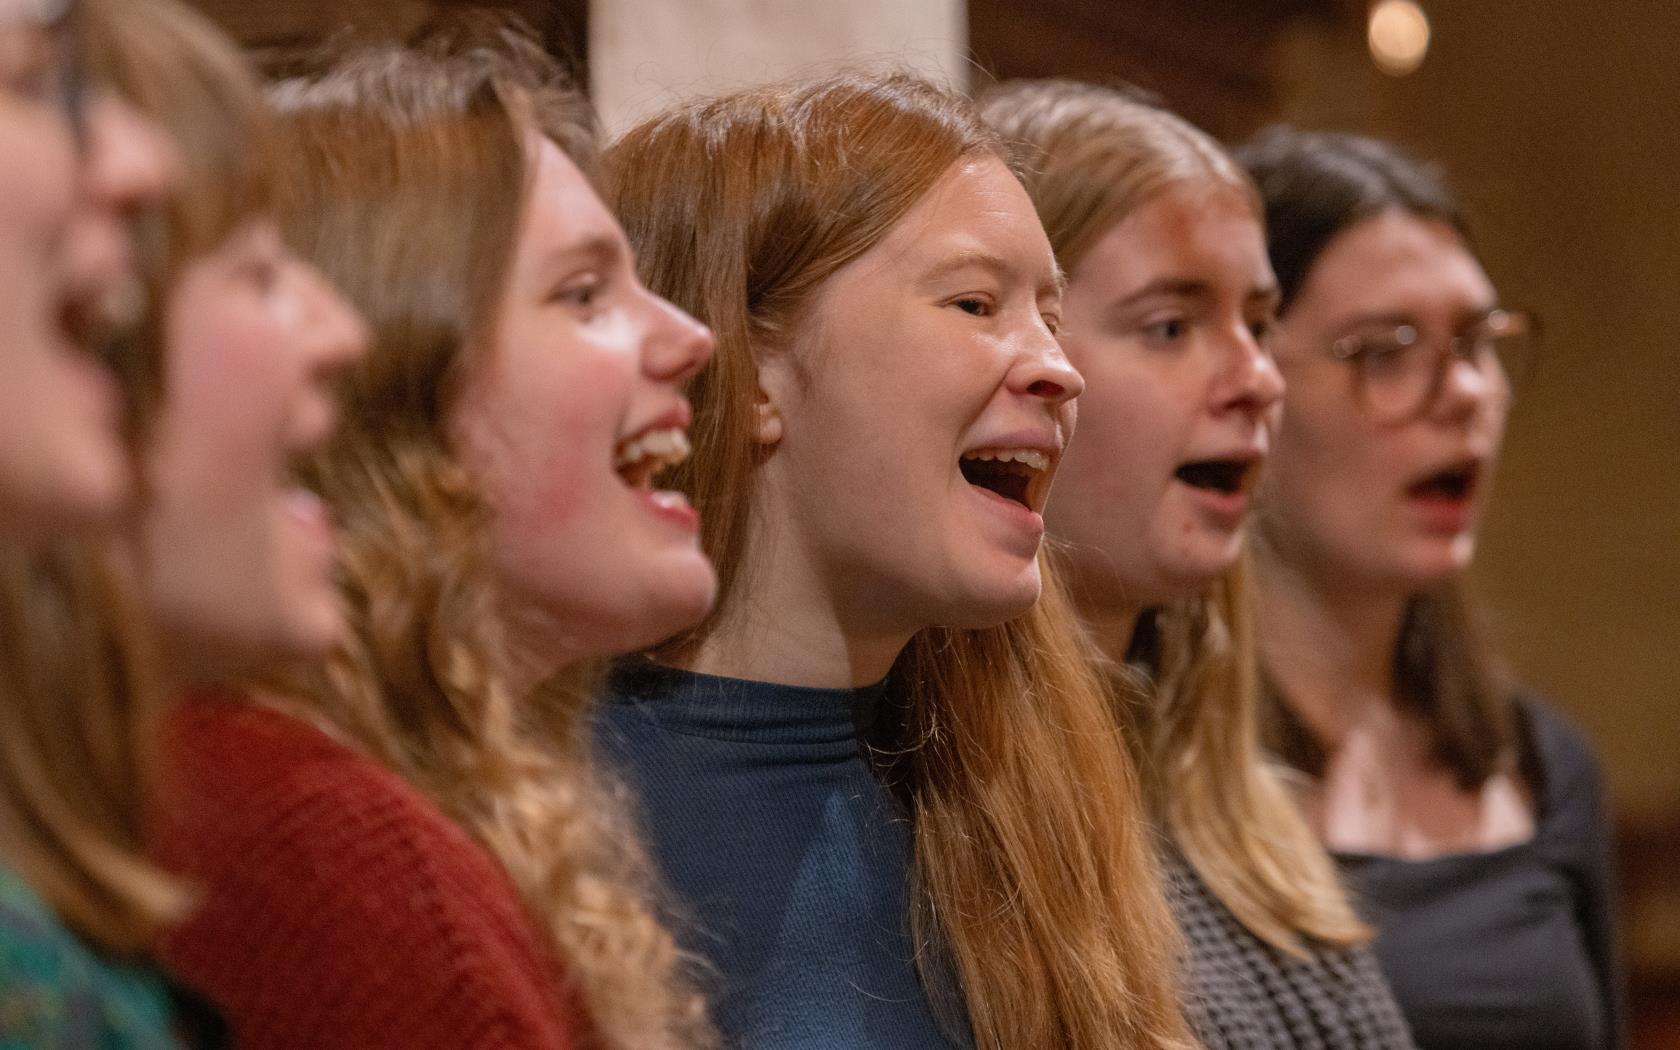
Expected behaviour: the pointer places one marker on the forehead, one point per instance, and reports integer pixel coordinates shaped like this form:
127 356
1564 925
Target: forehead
564 210
1186 225
977 205
1395 263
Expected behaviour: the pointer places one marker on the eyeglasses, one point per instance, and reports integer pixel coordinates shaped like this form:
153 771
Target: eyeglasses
41 54
1400 373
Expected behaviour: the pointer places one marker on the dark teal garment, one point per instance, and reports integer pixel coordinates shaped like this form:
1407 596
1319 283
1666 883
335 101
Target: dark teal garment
56 993
788 859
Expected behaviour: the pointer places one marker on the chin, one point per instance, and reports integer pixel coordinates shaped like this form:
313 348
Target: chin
91 488
674 601
312 631
1438 561
989 602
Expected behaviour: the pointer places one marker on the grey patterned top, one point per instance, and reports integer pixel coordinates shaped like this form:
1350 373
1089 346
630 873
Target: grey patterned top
1245 995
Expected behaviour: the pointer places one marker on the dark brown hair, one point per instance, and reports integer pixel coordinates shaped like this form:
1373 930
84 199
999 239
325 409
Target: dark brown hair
1315 185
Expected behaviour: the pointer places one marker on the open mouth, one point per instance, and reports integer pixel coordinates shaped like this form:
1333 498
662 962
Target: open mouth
1228 476
640 460
94 320
1012 473
1455 484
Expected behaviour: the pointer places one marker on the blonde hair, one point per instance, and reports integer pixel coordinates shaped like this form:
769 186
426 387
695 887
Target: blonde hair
408 177
1034 870
1093 156
75 664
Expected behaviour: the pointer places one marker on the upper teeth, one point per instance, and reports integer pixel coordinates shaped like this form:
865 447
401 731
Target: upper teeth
669 447
1031 457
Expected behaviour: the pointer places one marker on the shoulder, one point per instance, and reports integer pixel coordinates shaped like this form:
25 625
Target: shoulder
1564 757
237 777
330 881
1569 783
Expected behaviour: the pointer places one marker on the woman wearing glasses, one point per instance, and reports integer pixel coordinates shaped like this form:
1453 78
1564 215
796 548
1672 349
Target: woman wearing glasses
1466 815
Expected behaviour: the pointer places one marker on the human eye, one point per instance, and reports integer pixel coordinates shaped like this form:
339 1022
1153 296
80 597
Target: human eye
582 291
1166 330
1385 354
975 305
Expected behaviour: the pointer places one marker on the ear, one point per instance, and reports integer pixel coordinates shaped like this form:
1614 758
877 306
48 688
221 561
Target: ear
775 383
767 427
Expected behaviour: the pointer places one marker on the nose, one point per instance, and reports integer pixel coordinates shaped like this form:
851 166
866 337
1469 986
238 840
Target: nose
1467 389
1251 382
337 335
1043 371
129 162
677 346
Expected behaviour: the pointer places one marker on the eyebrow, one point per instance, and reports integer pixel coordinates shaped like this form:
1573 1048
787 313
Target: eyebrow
1188 288
1394 319
995 264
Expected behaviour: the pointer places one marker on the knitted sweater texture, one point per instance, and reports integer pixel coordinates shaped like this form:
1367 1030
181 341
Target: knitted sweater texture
342 909
1245 995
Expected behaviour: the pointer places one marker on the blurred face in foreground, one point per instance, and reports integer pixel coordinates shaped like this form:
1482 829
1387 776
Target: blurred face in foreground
238 553
78 164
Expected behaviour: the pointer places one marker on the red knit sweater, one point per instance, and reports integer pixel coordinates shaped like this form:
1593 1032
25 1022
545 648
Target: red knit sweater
342 909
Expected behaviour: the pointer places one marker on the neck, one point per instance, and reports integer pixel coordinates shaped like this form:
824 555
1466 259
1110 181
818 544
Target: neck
1329 647
536 649
791 623
1110 627
814 650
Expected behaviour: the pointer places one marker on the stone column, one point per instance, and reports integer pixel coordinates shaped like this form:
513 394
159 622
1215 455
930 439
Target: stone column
645 54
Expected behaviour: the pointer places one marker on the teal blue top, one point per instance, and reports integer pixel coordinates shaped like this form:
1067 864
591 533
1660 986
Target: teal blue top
57 993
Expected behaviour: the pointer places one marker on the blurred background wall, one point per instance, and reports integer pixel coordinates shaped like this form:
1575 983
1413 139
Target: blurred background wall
1559 121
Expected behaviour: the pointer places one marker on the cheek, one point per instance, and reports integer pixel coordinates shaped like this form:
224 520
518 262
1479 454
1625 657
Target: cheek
231 386
543 456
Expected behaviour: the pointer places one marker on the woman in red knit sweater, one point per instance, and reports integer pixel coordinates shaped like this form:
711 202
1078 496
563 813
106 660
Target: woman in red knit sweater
405 847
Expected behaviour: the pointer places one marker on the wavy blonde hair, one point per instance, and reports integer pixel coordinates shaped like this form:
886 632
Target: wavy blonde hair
1092 156
1034 870
76 669
408 176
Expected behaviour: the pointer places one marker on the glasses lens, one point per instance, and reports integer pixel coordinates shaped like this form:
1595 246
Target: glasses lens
1510 344
1396 373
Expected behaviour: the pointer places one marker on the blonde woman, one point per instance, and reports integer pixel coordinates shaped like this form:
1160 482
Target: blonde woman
1169 314
881 778
406 847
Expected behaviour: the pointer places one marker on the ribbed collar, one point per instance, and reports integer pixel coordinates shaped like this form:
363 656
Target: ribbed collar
744 711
